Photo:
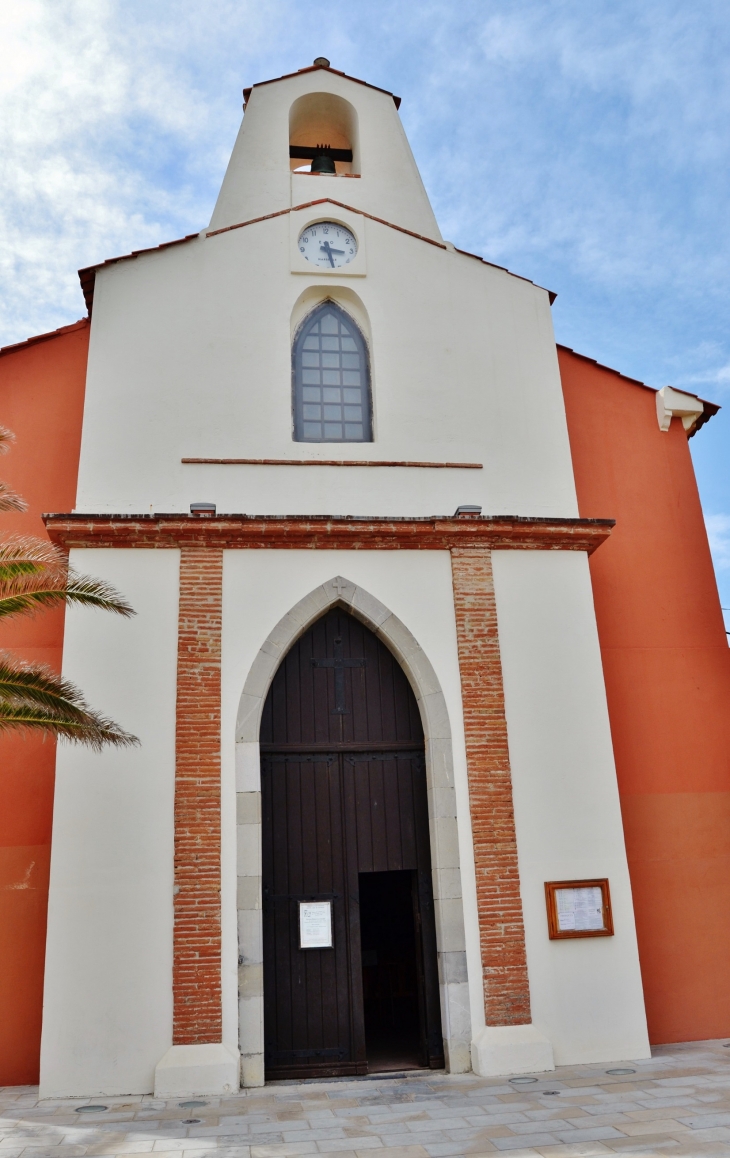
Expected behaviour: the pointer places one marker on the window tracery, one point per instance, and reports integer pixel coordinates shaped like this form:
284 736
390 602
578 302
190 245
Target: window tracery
331 379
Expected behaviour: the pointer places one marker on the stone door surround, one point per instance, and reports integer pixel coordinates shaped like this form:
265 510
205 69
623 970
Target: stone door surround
446 872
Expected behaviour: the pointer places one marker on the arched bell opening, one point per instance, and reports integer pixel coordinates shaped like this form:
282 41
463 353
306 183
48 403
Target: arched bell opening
323 135
405 652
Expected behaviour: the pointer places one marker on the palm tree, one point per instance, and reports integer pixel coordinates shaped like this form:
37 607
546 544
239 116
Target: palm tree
35 575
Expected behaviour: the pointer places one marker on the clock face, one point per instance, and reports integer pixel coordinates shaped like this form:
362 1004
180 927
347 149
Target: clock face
327 245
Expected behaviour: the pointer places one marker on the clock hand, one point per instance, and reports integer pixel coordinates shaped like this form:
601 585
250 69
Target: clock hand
329 251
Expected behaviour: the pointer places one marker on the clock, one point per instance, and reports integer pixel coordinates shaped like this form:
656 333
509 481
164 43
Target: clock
327 245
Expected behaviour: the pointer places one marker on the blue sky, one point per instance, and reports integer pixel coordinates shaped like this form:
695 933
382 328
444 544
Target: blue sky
582 143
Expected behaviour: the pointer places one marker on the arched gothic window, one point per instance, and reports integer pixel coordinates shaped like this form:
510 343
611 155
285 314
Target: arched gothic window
331 379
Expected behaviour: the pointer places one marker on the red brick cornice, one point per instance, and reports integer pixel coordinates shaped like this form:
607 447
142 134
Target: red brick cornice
325 532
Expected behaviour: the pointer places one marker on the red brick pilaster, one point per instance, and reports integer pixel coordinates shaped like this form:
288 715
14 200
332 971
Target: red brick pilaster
504 962
197 934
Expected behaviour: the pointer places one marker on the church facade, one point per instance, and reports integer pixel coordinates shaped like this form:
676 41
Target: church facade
415 718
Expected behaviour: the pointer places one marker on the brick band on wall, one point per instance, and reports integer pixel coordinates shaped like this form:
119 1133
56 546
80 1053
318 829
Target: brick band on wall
197 933
501 929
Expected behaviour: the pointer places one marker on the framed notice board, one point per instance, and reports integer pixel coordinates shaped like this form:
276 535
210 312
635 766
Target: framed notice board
578 909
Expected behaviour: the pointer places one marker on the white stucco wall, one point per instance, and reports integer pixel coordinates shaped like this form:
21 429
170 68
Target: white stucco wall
259 588
586 994
190 350
258 179
107 1014
190 356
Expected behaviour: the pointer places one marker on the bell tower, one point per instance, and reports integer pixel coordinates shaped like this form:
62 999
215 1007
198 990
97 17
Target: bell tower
318 133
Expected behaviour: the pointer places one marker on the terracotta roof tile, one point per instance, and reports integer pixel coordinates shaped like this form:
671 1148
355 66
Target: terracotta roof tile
711 408
317 68
44 337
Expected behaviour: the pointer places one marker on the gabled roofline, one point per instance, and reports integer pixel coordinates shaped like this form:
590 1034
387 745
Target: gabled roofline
316 68
710 408
82 322
87 276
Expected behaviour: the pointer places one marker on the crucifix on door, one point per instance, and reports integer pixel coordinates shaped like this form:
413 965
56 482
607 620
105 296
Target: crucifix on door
339 663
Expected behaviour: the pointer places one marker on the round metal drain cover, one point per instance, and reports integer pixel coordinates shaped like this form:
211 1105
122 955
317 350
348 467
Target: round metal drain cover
191 1105
621 1070
91 1109
522 1081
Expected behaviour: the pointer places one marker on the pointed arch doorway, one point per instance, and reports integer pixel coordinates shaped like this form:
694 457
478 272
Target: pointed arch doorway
346 846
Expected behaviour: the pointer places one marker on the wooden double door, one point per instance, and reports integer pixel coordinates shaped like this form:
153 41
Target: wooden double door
345 826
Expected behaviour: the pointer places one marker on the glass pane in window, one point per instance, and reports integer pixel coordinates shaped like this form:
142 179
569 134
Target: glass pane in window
330 381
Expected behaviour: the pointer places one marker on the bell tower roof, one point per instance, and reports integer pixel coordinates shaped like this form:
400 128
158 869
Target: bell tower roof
319 62
352 128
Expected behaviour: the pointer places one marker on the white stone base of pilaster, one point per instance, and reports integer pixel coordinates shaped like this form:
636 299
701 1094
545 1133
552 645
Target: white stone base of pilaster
498 1050
188 1070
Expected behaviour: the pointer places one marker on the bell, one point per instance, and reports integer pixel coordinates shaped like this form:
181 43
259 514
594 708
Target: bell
321 163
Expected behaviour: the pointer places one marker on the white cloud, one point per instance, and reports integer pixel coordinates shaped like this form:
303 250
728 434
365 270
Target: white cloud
584 147
717 376
718 532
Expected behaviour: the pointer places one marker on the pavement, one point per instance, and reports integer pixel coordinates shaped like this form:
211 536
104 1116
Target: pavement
676 1103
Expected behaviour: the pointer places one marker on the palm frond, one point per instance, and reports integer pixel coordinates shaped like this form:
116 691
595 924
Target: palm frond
30 593
22 554
22 682
34 574
6 437
95 731
34 698
10 500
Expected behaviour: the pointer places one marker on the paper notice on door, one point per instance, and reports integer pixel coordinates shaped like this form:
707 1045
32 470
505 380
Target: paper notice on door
580 910
315 924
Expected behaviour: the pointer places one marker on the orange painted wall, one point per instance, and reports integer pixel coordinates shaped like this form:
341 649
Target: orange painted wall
667 668
41 400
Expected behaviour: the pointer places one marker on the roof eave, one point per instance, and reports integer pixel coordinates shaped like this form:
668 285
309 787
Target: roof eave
710 408
317 68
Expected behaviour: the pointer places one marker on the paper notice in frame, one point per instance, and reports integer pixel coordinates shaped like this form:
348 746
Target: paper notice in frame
580 910
315 924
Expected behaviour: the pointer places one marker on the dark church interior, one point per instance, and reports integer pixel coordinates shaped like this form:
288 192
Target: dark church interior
390 972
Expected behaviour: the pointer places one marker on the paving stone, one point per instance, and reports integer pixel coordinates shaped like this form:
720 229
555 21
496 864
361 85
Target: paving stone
575 1150
522 1141
677 1103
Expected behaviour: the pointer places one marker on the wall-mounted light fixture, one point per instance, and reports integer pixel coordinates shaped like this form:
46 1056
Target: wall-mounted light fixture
202 508
467 510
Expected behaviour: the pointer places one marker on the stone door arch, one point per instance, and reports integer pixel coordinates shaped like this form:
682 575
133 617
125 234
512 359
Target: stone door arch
446 870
